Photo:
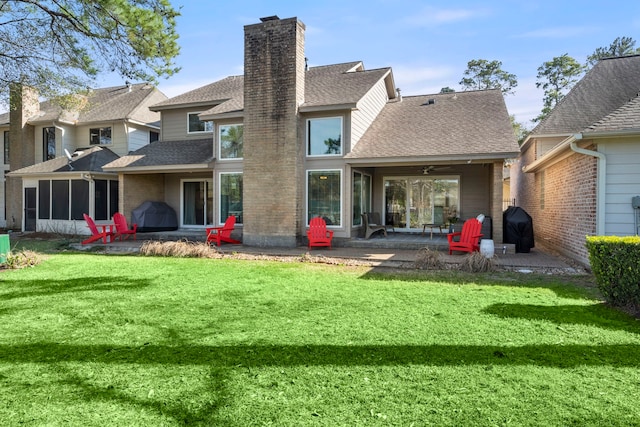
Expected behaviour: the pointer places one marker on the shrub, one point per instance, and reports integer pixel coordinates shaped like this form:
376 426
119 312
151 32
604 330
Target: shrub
475 262
181 248
427 259
614 262
24 258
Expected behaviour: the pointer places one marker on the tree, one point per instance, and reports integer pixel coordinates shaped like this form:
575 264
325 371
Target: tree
59 47
447 90
482 74
519 129
621 46
556 77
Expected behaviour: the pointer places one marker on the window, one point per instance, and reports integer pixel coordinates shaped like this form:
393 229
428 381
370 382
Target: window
231 196
65 199
6 147
195 125
324 196
48 143
100 136
324 136
230 141
411 202
154 136
361 196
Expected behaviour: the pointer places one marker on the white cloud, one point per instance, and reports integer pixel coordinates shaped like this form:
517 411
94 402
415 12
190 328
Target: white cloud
433 16
555 33
414 80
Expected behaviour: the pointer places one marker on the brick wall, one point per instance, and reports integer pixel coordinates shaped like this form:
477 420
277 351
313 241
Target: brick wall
137 189
566 212
274 69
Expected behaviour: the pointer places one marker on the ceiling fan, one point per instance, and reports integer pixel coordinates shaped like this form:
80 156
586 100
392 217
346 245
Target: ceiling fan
426 170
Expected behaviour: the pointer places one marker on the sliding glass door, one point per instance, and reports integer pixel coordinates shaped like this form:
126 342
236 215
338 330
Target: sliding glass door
197 203
411 202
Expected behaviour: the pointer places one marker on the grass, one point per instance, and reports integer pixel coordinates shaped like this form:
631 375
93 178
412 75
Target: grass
126 340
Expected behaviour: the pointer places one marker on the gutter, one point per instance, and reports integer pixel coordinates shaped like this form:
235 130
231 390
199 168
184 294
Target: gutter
602 181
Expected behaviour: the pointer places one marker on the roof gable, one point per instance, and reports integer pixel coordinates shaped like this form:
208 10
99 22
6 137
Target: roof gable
90 159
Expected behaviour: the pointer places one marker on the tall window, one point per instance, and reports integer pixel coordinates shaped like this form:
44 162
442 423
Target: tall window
324 136
324 196
361 196
48 143
100 136
230 137
231 196
154 136
195 125
6 147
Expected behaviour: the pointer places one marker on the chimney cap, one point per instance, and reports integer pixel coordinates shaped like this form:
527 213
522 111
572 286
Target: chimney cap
270 18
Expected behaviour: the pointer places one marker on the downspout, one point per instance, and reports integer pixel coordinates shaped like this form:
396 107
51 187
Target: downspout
602 181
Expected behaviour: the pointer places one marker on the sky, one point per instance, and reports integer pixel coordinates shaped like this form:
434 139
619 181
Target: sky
426 43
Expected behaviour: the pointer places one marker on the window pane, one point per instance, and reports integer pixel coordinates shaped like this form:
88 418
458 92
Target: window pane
6 147
101 200
79 198
100 136
231 141
197 125
44 198
60 199
113 197
357 198
49 143
231 196
324 196
324 136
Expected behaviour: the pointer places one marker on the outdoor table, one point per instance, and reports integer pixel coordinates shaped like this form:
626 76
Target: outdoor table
431 227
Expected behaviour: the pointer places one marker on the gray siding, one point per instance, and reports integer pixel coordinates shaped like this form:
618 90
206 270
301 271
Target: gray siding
174 125
368 109
623 183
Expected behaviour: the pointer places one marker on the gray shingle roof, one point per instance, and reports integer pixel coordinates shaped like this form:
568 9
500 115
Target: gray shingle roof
624 118
228 88
168 153
474 124
91 159
104 105
337 84
610 84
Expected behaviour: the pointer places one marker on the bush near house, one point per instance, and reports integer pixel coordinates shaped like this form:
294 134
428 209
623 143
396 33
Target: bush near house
614 261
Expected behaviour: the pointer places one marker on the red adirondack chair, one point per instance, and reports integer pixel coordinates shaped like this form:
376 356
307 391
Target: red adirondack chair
223 234
122 229
468 238
318 235
95 234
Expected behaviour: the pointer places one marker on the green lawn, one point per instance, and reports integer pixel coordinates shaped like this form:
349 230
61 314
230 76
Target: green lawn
96 340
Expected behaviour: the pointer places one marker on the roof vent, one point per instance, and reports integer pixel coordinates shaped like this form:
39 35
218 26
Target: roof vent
270 18
431 101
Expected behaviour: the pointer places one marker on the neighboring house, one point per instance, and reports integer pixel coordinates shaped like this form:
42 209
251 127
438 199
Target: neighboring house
284 143
582 163
55 157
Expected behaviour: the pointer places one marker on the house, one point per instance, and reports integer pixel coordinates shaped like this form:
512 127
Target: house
579 169
284 142
53 157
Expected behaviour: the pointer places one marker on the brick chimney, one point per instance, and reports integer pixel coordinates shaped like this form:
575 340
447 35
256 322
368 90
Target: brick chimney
24 104
273 178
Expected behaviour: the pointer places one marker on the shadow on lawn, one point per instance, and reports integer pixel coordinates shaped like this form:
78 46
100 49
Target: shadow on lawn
545 355
596 315
37 288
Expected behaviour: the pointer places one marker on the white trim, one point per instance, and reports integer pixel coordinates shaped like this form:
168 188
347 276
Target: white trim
207 181
219 131
219 195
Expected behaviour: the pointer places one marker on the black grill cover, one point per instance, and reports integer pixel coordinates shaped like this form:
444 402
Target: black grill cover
518 229
154 216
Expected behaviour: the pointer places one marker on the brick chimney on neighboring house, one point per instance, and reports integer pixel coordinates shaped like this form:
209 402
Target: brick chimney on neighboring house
24 104
273 177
